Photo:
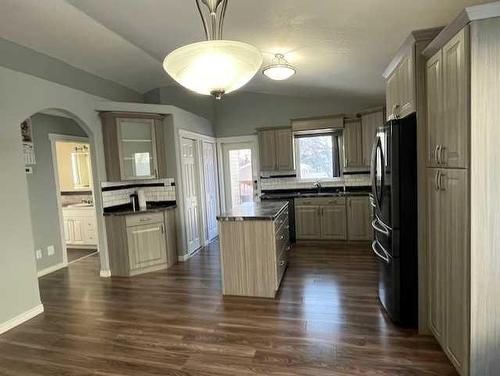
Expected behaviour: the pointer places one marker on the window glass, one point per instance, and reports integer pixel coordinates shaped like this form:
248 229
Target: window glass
317 156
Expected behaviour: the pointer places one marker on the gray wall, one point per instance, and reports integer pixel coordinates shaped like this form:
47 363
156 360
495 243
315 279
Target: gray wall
26 60
42 187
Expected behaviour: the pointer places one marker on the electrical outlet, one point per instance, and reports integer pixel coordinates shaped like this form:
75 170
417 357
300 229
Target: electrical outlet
38 254
50 250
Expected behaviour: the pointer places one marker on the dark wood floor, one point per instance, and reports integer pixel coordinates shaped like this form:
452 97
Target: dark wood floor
325 321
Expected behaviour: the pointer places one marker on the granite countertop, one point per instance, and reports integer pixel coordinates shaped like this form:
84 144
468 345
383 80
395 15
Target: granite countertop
151 207
308 193
267 210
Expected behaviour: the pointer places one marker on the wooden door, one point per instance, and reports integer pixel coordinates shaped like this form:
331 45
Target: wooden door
333 222
146 245
434 107
190 191
284 150
308 222
406 84
358 218
211 190
369 124
455 232
353 155
267 150
436 259
392 95
454 149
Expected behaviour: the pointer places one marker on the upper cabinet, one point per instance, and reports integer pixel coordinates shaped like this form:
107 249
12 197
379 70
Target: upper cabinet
353 153
276 149
370 121
134 146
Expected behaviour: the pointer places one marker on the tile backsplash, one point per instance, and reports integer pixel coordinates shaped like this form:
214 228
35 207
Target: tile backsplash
276 183
118 193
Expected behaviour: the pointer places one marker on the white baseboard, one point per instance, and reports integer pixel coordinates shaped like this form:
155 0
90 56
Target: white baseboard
19 319
51 269
105 273
188 256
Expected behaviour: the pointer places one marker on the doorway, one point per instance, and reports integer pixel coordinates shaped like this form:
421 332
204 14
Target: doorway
240 171
211 189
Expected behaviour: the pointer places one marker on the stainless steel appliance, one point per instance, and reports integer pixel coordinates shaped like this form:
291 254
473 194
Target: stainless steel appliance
394 190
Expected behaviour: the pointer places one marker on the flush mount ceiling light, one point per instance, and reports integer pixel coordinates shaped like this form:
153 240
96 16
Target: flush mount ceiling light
215 66
279 69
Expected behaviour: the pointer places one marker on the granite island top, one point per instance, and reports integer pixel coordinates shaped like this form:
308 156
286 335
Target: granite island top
151 207
254 211
284 194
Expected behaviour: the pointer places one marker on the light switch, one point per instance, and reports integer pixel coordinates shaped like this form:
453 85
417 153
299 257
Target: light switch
38 254
50 250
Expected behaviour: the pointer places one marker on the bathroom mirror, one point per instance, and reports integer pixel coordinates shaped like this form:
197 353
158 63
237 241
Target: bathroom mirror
80 164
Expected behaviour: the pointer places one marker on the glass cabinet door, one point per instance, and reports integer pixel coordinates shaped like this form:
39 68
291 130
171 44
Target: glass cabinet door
137 148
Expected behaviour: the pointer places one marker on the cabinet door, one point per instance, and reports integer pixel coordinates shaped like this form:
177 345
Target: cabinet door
67 230
455 138
284 149
434 107
137 148
352 144
392 100
77 230
436 257
358 218
369 125
333 222
406 84
267 150
455 232
146 245
308 222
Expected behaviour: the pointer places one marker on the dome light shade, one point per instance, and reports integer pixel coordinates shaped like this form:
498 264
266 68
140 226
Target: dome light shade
279 69
213 67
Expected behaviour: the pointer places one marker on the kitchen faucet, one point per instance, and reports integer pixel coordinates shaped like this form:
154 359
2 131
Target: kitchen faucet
317 185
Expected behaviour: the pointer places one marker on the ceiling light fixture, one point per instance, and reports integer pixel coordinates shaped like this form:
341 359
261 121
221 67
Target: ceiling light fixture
215 66
279 69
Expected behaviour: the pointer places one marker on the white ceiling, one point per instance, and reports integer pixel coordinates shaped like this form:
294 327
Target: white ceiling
340 47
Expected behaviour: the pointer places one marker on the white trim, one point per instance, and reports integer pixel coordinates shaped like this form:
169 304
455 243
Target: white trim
19 319
105 273
52 269
196 136
186 257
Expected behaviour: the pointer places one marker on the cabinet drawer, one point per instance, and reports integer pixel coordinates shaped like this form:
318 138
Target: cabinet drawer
143 219
281 264
282 238
320 201
333 201
281 221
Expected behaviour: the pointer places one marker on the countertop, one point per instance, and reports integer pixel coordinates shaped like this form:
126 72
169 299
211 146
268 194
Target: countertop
308 193
266 210
151 207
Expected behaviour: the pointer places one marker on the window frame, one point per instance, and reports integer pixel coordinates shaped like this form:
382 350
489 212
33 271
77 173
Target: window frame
336 154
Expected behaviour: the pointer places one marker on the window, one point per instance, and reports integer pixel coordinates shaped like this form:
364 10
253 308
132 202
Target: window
317 156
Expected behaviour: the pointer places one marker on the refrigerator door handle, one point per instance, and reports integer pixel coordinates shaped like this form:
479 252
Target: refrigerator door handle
382 229
383 256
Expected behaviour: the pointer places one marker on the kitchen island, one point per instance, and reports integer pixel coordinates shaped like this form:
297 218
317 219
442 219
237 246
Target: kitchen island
254 246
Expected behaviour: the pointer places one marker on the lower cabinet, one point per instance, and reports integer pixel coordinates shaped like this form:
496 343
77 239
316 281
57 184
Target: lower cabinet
359 218
141 243
333 218
448 262
80 226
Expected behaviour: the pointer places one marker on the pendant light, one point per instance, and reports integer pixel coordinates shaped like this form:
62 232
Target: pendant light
215 66
279 69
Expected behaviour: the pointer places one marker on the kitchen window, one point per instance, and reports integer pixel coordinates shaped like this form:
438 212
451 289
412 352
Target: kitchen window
317 156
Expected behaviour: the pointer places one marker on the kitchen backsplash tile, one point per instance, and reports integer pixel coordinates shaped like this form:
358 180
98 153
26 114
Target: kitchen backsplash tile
118 193
269 184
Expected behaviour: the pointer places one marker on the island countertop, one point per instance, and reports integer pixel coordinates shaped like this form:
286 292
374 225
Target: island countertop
254 211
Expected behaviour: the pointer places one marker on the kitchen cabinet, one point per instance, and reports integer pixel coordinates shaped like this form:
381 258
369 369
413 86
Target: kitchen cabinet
448 264
142 242
358 218
434 71
276 149
320 218
370 121
353 153
80 226
400 86
134 146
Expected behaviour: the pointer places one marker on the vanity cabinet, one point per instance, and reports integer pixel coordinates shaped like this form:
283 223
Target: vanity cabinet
80 226
141 243
276 149
134 146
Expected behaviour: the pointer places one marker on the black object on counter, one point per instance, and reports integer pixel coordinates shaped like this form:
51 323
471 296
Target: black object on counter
134 201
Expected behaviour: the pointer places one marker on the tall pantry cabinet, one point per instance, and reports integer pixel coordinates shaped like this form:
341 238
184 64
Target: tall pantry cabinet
463 200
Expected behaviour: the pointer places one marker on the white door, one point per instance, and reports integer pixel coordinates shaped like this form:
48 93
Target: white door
190 191
240 173
210 182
